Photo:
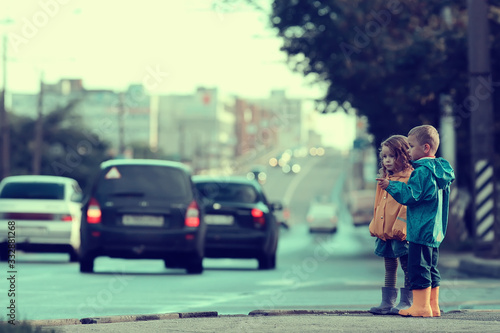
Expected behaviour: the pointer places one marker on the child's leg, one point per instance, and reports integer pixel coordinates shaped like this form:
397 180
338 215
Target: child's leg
405 295
391 268
404 266
436 280
389 292
419 262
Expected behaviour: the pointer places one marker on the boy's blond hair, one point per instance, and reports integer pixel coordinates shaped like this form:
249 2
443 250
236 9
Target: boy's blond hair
426 134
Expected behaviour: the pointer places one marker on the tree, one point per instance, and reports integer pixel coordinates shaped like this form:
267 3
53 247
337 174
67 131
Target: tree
67 150
391 60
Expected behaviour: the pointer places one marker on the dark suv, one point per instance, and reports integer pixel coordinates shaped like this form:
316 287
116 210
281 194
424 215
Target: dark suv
143 209
240 220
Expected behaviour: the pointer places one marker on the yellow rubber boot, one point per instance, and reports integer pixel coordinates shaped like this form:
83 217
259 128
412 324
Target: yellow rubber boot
421 306
436 311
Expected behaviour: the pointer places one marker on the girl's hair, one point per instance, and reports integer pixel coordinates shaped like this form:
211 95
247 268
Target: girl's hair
398 145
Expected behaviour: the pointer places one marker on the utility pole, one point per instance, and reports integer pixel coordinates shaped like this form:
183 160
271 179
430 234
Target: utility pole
37 153
481 109
4 120
121 126
459 199
182 139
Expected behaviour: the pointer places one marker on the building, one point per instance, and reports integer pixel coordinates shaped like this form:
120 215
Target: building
202 129
55 96
197 128
120 119
253 127
287 118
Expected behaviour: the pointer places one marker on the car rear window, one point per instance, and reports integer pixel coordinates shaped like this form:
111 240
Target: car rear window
144 181
227 192
22 190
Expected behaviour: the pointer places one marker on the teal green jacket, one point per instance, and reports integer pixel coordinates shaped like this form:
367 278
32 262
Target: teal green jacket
426 196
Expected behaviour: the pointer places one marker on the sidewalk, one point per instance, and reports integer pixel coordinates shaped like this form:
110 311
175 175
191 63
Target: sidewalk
468 263
287 321
480 267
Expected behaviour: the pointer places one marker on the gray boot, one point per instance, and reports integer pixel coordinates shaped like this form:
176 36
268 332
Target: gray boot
389 296
405 301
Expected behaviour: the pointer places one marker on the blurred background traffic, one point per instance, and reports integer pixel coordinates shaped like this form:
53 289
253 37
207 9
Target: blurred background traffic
294 97
250 88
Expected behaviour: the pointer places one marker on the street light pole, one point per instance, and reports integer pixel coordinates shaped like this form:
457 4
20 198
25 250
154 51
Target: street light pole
481 108
4 120
121 125
37 153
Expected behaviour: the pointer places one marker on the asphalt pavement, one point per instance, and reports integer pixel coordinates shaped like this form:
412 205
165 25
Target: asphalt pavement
291 321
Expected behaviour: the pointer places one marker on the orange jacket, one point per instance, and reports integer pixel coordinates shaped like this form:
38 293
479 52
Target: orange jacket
389 216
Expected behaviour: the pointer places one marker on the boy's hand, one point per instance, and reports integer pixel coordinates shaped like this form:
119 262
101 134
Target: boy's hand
383 183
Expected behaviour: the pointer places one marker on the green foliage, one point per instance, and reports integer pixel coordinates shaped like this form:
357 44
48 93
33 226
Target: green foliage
68 149
390 59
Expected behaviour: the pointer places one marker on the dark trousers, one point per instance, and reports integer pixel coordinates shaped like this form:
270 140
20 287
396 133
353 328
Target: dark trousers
422 266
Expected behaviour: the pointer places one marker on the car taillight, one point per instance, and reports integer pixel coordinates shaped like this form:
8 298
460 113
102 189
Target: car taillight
258 216
66 218
94 212
192 215
286 213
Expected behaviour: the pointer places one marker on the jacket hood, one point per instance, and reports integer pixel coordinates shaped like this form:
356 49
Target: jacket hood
440 168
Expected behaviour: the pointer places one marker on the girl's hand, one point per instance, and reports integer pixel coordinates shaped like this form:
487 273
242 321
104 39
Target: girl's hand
383 183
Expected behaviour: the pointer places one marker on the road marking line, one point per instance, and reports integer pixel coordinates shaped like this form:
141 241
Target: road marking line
295 182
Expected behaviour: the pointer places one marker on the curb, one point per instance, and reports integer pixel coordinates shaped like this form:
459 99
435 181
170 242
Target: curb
305 312
347 312
119 319
473 311
47 322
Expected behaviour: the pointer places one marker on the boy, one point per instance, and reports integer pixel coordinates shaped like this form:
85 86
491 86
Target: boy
426 196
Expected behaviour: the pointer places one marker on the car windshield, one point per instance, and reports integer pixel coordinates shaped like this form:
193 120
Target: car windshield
143 181
227 192
321 209
21 190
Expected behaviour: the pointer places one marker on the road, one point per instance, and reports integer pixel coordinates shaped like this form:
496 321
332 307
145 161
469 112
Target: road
336 271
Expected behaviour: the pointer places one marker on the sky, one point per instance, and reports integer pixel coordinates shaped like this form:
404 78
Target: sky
169 46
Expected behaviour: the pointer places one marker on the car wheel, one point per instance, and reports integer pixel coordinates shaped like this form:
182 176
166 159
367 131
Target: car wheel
86 264
195 266
73 256
267 261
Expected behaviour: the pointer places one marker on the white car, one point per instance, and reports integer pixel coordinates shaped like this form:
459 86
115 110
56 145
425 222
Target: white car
45 212
361 203
322 217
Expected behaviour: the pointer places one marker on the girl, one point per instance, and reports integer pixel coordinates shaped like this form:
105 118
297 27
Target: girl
389 225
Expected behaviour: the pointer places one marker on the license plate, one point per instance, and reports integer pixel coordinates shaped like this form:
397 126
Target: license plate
24 231
219 219
143 220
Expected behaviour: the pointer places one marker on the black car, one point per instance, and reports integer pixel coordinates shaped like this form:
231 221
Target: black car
240 220
143 209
